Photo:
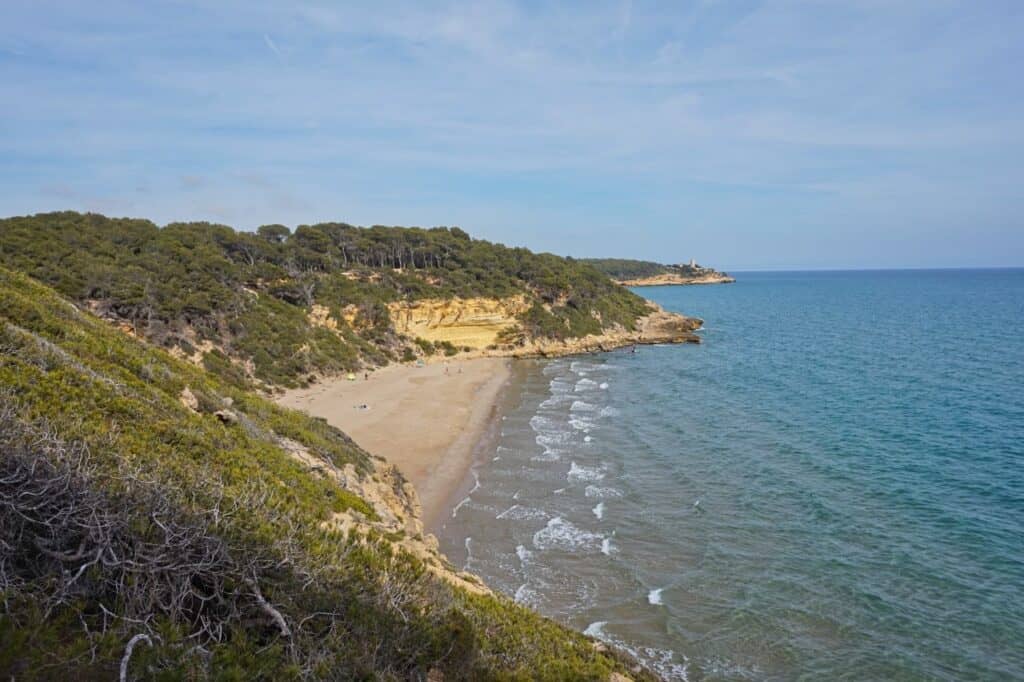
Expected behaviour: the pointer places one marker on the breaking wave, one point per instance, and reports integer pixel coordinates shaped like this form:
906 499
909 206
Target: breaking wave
562 534
582 473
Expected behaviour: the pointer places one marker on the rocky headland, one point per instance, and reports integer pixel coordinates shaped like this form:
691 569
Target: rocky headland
483 328
677 278
641 273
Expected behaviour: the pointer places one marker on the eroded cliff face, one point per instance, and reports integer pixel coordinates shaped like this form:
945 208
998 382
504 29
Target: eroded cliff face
478 324
396 505
464 322
657 327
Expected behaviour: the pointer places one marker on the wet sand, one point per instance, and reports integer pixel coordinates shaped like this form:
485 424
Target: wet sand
422 419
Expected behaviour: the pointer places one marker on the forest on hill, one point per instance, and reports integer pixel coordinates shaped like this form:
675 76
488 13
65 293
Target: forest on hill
159 522
625 268
242 300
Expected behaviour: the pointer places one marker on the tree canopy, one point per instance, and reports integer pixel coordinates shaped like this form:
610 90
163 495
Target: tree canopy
249 294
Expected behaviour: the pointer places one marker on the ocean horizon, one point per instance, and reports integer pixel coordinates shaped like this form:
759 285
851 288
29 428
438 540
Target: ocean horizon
757 271
829 487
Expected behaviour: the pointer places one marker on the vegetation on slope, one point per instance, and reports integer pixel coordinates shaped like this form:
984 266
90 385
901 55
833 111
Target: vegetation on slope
152 517
247 302
624 268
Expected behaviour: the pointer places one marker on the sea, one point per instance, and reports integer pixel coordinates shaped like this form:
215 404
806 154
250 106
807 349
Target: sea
829 487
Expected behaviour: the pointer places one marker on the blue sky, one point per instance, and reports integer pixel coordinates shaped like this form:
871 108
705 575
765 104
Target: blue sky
746 134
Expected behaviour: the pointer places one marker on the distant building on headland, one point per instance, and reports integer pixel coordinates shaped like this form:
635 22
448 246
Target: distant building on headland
691 268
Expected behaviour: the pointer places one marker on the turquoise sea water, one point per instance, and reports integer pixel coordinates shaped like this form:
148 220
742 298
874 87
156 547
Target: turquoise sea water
830 487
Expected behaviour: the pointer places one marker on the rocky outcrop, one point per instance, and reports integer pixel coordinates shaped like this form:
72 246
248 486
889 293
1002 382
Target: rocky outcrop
463 322
672 278
659 326
396 506
480 325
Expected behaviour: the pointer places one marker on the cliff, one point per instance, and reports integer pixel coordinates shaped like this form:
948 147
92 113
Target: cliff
493 327
475 323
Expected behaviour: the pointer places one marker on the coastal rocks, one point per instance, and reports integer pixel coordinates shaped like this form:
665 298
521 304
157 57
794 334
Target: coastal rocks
463 322
477 324
671 278
188 399
396 506
226 416
320 316
658 326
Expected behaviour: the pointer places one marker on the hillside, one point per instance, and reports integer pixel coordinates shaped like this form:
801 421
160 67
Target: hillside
283 307
641 273
625 268
160 521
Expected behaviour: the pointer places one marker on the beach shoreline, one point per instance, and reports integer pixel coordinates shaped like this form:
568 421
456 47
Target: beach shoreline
428 420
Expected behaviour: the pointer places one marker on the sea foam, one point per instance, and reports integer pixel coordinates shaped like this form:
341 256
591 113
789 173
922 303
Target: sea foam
562 534
663 661
582 424
518 512
599 492
526 596
583 473
465 501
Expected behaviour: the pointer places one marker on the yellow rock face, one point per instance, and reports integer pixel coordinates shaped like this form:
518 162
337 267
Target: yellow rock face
320 316
472 322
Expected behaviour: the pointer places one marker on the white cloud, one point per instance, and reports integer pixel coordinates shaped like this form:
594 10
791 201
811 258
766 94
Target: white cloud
365 104
270 43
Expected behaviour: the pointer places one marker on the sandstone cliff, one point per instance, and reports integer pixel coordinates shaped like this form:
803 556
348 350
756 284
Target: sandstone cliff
473 322
483 325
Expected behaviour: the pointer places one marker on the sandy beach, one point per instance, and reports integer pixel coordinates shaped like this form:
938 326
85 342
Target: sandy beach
426 420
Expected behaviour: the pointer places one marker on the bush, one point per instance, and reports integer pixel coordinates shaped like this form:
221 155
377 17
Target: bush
446 347
213 535
255 296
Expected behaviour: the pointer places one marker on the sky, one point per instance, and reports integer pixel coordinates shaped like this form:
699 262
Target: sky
748 134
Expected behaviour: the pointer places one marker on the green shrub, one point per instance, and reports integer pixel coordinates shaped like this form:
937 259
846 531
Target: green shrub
359 606
252 295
